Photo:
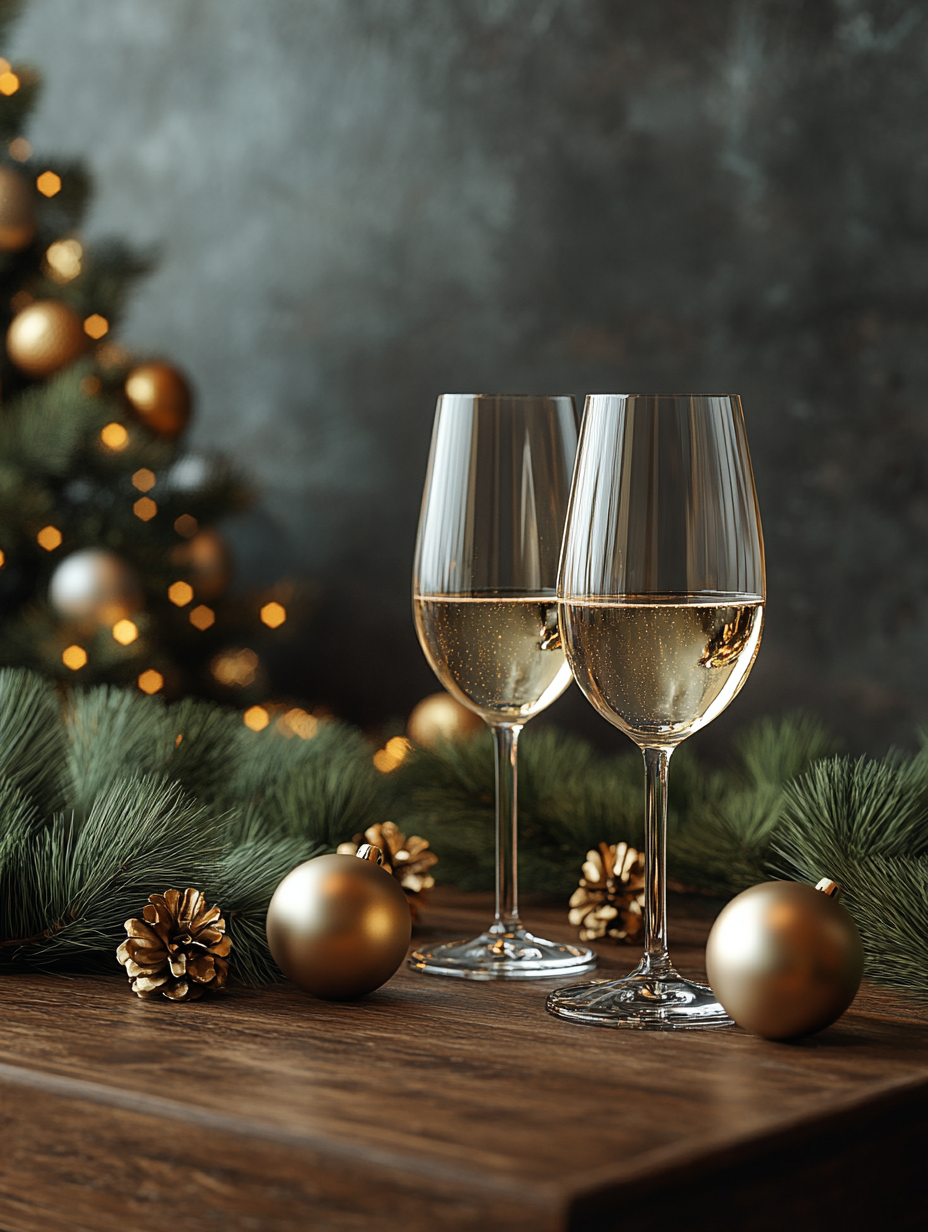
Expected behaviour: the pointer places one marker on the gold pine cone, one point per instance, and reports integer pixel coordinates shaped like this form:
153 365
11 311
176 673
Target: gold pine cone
408 859
609 902
178 949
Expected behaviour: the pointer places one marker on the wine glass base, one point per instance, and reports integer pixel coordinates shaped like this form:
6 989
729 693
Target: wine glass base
643 1001
513 954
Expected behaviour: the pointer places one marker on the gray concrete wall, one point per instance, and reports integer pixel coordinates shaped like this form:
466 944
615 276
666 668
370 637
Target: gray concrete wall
360 203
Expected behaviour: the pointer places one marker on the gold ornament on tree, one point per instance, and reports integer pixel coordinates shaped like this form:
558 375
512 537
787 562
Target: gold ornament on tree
339 926
44 337
178 949
160 397
439 717
17 211
407 859
609 902
96 586
785 959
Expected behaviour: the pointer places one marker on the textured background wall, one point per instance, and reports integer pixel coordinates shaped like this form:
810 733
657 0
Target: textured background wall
360 203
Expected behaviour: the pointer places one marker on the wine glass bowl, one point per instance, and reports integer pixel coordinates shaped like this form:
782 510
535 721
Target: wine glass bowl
485 608
661 603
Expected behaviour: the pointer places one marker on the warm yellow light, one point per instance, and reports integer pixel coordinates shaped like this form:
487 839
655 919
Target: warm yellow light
9 84
178 740
180 593
2 559
74 657
145 508
48 183
125 632
20 149
96 326
64 260
144 479
114 436
392 755
297 722
273 615
91 386
186 525
4 65
49 538
235 667
257 718
202 617
151 681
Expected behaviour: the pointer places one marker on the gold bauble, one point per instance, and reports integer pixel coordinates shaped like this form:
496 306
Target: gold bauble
338 926
17 211
784 959
160 397
440 717
207 561
96 586
44 337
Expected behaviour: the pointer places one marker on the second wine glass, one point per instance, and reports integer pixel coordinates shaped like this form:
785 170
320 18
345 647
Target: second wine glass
484 599
661 593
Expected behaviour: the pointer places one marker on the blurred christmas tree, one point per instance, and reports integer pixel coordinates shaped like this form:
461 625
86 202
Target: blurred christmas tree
110 568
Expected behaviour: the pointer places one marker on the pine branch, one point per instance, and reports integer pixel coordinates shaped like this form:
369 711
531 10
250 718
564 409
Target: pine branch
725 843
72 885
33 747
114 733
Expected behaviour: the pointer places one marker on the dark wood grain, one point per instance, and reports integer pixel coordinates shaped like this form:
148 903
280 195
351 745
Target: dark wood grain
440 1103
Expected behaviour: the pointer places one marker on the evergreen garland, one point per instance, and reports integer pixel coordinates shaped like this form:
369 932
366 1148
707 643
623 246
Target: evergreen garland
107 795
112 795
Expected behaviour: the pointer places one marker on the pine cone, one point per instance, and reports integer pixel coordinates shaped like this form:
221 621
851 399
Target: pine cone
178 950
409 860
610 899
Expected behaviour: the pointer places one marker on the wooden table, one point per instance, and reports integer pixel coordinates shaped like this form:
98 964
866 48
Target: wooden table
441 1104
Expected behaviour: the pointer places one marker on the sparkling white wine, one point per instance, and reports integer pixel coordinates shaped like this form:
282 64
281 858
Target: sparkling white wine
500 655
660 667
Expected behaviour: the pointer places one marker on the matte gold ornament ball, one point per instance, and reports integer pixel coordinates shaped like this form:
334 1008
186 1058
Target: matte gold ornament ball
44 337
160 397
440 717
17 211
95 586
339 926
785 959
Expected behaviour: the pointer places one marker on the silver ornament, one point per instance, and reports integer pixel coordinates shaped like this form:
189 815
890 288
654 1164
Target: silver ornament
95 585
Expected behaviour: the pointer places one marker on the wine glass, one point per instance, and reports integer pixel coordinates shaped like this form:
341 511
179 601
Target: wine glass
485 606
661 601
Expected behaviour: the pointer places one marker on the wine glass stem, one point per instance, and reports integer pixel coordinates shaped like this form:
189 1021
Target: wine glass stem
656 958
506 740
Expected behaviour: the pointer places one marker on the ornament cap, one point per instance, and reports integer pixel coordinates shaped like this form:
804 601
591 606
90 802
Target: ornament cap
367 851
829 887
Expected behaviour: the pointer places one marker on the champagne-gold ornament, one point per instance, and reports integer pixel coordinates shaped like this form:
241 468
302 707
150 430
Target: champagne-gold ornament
160 397
409 860
339 926
44 337
95 585
17 211
440 717
609 902
206 561
785 959
178 949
